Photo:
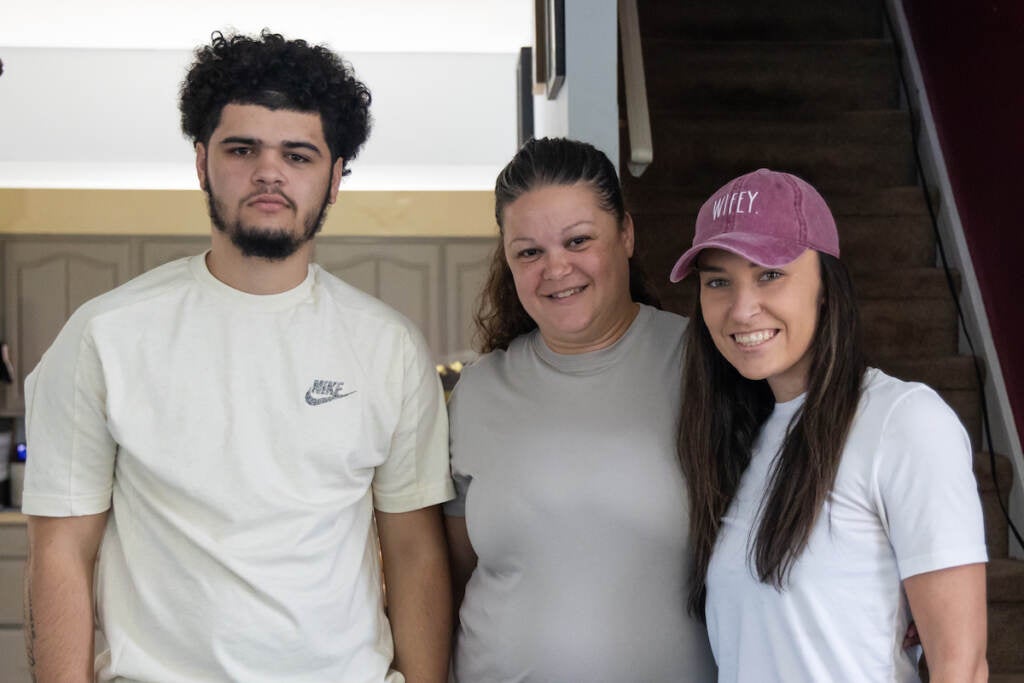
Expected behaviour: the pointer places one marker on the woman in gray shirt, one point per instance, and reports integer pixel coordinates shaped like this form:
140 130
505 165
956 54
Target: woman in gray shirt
569 539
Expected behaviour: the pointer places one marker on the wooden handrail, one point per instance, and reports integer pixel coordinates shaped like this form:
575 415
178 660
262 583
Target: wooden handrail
638 117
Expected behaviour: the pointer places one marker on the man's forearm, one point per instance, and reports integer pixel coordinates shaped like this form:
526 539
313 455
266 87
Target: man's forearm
58 622
418 593
58 599
419 607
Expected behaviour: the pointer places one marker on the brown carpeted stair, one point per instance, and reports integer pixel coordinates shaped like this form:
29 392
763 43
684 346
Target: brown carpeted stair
813 88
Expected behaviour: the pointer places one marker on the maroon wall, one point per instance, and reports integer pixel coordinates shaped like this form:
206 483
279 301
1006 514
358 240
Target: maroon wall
972 56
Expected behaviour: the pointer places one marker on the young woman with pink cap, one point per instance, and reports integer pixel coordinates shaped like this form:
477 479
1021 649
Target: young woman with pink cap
830 503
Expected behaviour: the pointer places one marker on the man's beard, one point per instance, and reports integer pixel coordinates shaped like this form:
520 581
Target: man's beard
273 244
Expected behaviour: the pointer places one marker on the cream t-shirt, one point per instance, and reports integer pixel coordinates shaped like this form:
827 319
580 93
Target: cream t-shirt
241 443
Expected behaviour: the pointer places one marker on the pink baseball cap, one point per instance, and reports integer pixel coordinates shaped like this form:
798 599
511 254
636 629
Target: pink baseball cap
767 217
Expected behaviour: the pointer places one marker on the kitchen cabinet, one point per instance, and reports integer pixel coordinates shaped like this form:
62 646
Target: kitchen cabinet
45 280
405 275
13 550
433 281
465 272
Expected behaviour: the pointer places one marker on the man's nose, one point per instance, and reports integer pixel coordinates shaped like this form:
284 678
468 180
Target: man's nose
268 169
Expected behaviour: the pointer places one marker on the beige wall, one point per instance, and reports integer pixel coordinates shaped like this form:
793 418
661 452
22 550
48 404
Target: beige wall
183 212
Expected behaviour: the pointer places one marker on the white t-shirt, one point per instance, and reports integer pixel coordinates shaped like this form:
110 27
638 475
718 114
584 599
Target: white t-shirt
576 506
241 443
905 502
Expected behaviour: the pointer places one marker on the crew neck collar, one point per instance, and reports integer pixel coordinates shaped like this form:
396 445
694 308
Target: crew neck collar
787 409
257 302
591 361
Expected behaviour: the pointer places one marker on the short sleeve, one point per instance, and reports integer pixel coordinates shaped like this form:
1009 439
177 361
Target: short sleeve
416 472
927 487
71 454
457 506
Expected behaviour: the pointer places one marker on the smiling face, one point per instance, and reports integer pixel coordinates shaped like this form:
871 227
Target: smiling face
268 177
569 259
763 320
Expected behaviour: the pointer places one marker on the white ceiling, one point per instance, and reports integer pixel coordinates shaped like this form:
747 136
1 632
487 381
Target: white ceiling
348 25
89 100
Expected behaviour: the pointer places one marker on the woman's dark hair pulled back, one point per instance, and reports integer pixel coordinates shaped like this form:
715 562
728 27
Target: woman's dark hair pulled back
541 163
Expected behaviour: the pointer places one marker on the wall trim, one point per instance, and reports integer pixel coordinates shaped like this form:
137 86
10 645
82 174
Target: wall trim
459 213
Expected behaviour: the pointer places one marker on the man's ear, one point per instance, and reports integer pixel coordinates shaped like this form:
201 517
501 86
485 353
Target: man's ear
201 165
336 171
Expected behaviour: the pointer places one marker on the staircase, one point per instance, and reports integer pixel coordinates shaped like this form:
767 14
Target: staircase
812 88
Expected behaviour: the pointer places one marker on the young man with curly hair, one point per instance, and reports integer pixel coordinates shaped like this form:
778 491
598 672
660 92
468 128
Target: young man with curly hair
239 437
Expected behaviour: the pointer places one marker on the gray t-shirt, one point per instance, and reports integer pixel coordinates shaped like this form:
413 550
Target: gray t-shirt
567 473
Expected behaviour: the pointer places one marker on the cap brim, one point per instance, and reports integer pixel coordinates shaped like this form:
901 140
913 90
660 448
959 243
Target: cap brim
764 250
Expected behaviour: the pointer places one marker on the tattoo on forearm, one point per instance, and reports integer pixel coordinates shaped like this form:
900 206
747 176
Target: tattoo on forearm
30 628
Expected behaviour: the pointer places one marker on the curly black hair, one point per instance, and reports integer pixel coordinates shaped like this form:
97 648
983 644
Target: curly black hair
278 74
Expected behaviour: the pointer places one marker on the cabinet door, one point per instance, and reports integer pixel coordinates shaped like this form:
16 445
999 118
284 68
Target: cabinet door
466 267
44 282
156 251
404 275
12 572
13 661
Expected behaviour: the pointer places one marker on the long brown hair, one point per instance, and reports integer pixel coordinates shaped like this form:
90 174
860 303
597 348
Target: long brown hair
723 412
500 316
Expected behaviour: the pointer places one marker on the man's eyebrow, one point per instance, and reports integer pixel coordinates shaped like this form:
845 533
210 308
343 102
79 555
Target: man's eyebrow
301 144
286 144
239 140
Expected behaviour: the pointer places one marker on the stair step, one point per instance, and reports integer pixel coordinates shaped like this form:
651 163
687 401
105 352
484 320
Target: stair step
712 77
862 150
874 243
902 282
905 200
761 20
1005 653
1005 580
890 324
954 373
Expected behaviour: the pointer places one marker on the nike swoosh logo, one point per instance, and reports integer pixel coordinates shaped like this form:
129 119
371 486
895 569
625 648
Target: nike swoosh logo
315 400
